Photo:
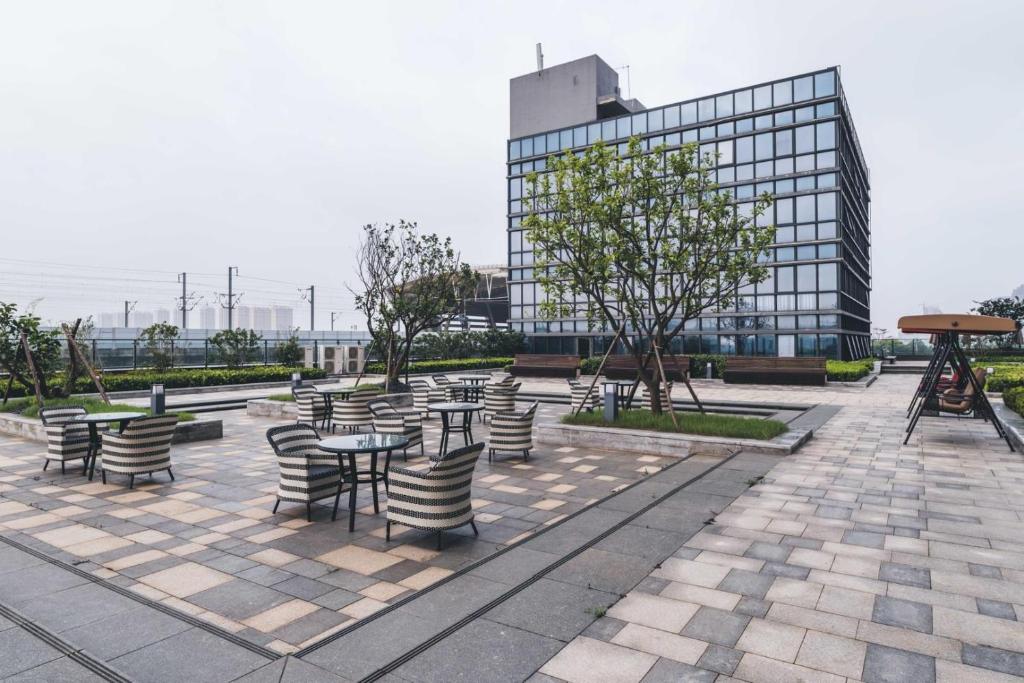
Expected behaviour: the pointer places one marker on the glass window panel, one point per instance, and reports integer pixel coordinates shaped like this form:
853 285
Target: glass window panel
673 139
745 172
805 183
828 320
727 344
803 89
527 147
726 175
784 211
762 122
540 144
764 169
784 254
725 152
827 206
782 186
707 149
727 323
806 302
743 102
827 180
744 149
828 300
515 206
514 150
761 188
807 322
745 192
783 142
805 279
783 93
515 188
784 117
671 117
805 163
690 135
593 133
553 143
786 322
707 132
804 114
763 97
623 129
828 276
806 252
744 125
826 160
724 129
805 233
608 130
688 112
826 231
766 302
805 208
709 323
784 166
723 105
825 110
516 240
706 109
639 123
826 135
564 140
579 136
785 302
807 345
766 344
828 345
827 250
763 146
655 120
804 139
825 84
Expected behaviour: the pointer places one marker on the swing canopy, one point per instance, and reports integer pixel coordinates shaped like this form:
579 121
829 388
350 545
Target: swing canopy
961 323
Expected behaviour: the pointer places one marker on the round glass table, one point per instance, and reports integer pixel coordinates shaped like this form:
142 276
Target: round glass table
352 445
447 411
94 420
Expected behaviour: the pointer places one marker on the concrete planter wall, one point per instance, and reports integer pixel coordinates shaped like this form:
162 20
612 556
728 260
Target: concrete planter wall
287 410
663 443
185 432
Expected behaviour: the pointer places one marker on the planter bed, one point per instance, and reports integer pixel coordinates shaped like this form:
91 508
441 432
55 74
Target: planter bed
185 432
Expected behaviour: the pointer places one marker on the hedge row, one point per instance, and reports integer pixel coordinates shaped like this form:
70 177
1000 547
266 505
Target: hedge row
1014 399
452 365
838 371
1005 377
184 378
849 371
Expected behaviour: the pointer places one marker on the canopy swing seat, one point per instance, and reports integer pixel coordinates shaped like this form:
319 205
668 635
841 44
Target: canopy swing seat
961 394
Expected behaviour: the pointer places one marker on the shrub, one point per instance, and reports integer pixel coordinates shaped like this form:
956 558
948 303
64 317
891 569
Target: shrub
289 352
1014 399
236 347
698 365
27 407
848 370
428 366
689 423
1005 377
159 342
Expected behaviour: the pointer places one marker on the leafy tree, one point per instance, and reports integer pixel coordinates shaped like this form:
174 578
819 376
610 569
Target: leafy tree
289 352
1011 307
159 340
487 343
494 342
641 242
44 347
236 347
410 282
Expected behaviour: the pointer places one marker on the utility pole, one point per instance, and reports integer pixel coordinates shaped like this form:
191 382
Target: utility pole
188 301
231 300
129 306
334 316
311 290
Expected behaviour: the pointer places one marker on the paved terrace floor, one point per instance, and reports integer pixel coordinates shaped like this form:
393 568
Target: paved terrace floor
856 559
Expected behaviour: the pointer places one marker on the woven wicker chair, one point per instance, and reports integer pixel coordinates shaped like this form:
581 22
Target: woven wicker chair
666 396
580 397
400 421
306 473
352 412
312 406
438 499
423 394
143 447
65 438
512 432
499 399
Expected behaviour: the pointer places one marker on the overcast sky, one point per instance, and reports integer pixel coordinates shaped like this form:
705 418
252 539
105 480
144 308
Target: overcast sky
189 136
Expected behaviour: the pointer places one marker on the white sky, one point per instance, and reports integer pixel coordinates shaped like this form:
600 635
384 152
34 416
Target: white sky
189 136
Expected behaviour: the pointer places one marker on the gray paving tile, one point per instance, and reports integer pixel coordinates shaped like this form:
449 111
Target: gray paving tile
552 609
454 600
604 571
510 654
724 660
57 671
36 581
864 538
905 574
889 665
790 571
193 655
637 541
752 607
903 613
22 651
716 626
670 671
993 658
75 606
239 599
372 645
984 570
515 566
605 628
995 608
116 635
746 583
769 552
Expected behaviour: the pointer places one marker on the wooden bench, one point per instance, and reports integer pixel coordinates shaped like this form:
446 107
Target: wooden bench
545 365
622 366
805 370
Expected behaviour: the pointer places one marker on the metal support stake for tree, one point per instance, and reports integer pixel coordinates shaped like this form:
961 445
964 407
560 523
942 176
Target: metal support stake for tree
600 367
32 369
88 366
664 380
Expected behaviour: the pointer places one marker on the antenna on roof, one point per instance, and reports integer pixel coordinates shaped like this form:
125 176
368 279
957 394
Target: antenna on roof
540 58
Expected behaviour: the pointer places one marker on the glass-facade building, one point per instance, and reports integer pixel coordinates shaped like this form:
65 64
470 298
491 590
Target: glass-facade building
793 138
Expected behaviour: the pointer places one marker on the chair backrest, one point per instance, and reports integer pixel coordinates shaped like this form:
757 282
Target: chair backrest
505 381
303 391
457 466
293 439
60 415
529 413
153 431
419 384
363 395
573 382
380 407
441 380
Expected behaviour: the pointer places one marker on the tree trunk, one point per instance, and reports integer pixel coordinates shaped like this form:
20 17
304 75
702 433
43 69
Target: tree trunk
73 369
36 379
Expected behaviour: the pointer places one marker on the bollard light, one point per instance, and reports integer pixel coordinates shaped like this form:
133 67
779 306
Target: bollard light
296 380
709 370
611 401
156 399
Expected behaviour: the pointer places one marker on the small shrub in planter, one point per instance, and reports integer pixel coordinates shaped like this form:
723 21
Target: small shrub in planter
438 366
848 371
1014 399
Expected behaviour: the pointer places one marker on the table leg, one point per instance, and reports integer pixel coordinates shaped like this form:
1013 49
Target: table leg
373 482
444 432
352 493
467 433
387 470
93 448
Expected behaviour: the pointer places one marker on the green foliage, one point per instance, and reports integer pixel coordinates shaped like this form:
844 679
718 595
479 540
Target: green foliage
699 363
283 398
488 343
1014 399
236 347
998 359
1011 307
643 239
289 352
159 341
848 371
451 365
44 347
1005 377
28 407
689 423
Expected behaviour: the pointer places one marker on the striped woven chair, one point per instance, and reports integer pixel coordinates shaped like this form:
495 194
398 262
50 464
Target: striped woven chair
143 447
312 406
512 432
352 412
399 421
580 397
423 394
437 499
306 474
666 393
499 399
506 381
65 438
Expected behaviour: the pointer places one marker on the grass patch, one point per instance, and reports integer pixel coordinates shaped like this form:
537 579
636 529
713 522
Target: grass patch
27 407
689 423
284 398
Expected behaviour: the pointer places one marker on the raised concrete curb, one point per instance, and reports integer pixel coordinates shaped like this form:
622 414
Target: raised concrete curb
287 410
1012 422
186 432
663 443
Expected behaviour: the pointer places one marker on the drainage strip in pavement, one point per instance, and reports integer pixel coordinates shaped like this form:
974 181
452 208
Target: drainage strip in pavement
537 595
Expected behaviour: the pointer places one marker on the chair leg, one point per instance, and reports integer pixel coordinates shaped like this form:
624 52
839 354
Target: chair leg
387 531
439 539
131 481
309 512
276 503
103 474
46 464
62 467
472 523
170 473
337 497
526 454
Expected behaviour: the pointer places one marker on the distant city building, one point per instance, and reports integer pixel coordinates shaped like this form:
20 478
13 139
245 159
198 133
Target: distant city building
262 318
793 138
162 315
208 318
107 320
282 318
243 318
140 319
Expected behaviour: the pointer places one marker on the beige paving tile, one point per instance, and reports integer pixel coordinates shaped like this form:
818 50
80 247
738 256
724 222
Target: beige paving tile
585 660
383 590
359 560
134 560
688 571
186 579
771 639
954 672
813 619
831 653
282 615
701 596
273 557
906 639
654 611
757 669
65 536
361 609
978 629
851 603
794 592
661 643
